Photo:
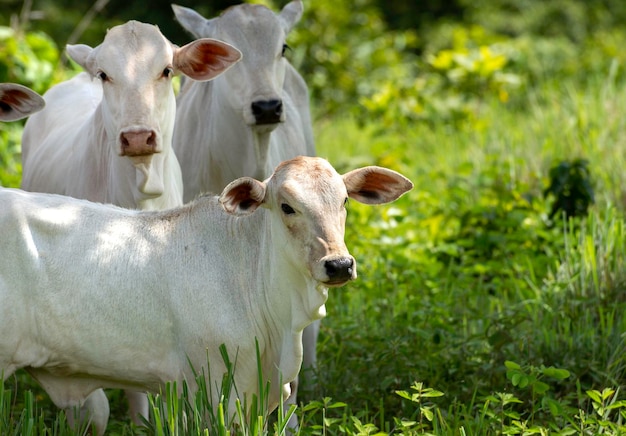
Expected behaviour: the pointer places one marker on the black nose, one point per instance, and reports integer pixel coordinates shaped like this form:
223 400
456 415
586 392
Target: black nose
267 111
339 270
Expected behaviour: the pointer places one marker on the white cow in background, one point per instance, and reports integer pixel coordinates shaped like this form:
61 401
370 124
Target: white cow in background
106 134
246 122
95 296
18 101
249 120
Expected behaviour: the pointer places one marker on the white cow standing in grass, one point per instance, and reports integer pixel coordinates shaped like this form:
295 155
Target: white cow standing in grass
249 120
95 296
106 134
18 101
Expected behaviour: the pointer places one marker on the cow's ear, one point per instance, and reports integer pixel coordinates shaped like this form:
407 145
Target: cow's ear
83 55
290 15
376 185
18 101
191 21
204 59
243 196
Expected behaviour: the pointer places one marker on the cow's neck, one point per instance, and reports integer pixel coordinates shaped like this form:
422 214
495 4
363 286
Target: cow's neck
293 297
261 140
147 182
245 144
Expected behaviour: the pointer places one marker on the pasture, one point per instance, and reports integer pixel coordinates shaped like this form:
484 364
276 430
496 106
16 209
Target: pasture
476 311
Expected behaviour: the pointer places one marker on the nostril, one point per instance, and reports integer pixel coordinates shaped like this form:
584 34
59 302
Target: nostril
257 108
279 108
152 140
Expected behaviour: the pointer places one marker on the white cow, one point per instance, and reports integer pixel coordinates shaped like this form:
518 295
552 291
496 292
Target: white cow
106 134
247 121
109 139
95 296
18 101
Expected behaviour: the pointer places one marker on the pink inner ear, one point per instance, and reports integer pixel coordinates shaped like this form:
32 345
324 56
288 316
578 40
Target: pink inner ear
242 196
16 104
375 185
206 59
15 99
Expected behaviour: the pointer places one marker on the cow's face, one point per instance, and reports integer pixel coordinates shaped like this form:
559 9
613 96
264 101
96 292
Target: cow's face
254 87
307 202
135 64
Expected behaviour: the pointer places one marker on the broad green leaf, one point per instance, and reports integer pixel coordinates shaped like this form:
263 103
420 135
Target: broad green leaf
512 365
559 374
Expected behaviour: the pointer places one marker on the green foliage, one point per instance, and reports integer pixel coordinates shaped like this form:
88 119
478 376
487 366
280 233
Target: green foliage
29 419
177 411
28 58
345 51
449 85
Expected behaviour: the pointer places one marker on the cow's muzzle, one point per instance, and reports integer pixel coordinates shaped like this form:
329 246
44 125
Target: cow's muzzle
267 111
340 271
138 143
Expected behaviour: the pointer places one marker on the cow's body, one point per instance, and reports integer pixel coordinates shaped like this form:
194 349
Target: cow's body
246 122
18 101
105 135
95 296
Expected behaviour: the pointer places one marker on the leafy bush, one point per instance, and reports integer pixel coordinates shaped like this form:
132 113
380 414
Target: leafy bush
30 59
345 50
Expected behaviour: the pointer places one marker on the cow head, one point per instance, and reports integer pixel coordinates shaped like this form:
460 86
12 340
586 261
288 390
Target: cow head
135 64
307 201
17 102
254 87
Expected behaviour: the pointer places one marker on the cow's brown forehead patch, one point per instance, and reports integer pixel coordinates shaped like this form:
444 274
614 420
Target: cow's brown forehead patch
306 178
306 168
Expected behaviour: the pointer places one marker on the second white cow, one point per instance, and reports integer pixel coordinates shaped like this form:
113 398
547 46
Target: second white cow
105 135
95 296
247 121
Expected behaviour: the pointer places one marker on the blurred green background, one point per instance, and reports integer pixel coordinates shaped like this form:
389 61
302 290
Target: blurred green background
351 51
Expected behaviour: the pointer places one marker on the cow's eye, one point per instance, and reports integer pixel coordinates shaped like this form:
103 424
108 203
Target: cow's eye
345 202
285 48
287 210
168 72
102 76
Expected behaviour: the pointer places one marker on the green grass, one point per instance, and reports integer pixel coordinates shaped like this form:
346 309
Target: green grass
467 272
473 312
